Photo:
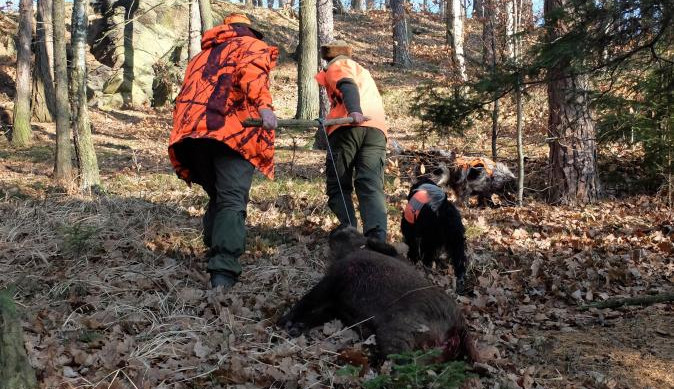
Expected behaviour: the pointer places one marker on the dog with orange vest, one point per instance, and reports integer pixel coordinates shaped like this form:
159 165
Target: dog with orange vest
431 225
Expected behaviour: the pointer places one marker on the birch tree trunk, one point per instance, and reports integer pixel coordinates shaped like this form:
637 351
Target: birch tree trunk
307 88
401 52
520 144
571 131
325 35
21 131
455 36
194 43
206 15
86 155
62 165
44 104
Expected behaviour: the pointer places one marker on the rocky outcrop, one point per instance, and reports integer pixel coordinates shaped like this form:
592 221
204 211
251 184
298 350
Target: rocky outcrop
139 47
128 39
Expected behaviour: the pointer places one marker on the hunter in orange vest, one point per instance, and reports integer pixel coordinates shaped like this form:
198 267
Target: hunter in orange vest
358 150
227 82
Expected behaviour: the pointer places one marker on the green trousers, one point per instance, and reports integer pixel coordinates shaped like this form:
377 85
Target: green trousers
226 177
359 156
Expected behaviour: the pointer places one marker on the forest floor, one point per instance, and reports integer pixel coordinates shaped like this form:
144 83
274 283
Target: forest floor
115 295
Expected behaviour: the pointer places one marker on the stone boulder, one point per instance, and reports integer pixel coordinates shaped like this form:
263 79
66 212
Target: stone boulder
128 38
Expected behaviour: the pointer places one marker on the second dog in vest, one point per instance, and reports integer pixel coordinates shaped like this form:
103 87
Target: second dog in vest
430 225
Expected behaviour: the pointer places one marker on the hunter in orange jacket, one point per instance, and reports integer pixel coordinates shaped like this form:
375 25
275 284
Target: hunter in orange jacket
358 151
227 82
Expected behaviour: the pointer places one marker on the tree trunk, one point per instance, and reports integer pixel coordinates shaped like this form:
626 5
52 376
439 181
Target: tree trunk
63 163
489 47
478 9
307 88
21 132
86 156
325 35
369 4
520 144
44 104
206 15
194 43
270 4
494 130
249 3
401 53
357 5
455 36
15 370
571 131
338 6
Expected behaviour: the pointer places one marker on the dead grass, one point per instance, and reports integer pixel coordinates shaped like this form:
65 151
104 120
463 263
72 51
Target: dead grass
115 294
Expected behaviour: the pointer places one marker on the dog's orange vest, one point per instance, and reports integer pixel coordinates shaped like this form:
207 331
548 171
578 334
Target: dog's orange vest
414 205
467 163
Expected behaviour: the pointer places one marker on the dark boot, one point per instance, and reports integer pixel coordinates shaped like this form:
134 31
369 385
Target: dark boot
224 279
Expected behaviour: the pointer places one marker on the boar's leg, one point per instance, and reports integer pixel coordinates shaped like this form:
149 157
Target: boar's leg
314 308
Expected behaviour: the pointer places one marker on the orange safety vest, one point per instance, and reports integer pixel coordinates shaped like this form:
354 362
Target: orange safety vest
467 163
225 84
370 100
414 205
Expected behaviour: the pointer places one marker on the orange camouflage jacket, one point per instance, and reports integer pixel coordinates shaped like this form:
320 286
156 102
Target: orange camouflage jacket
225 84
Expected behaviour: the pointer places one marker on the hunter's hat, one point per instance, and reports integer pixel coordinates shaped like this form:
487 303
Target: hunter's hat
335 49
239 19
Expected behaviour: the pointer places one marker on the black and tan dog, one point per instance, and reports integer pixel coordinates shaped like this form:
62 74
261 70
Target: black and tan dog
430 225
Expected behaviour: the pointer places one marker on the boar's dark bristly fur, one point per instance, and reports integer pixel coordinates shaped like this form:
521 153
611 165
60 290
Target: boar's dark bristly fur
385 296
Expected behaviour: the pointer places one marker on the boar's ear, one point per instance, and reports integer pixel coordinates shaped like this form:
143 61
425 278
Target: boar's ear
474 173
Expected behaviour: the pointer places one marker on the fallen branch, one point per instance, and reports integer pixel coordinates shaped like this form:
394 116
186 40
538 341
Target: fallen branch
300 123
639 300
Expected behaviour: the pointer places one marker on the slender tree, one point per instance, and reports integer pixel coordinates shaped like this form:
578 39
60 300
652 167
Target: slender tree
454 22
194 43
21 132
338 6
401 52
206 15
325 35
307 95
44 104
571 129
250 3
520 143
86 155
63 163
357 5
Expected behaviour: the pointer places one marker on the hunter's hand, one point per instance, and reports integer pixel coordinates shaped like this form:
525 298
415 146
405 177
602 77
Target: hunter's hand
357 117
268 117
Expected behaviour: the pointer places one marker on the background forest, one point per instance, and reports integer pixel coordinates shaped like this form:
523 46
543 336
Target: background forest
102 277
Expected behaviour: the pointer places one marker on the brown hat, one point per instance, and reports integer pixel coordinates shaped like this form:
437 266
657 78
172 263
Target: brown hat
239 19
335 49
